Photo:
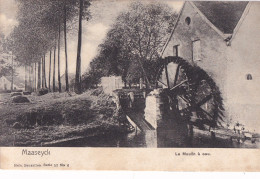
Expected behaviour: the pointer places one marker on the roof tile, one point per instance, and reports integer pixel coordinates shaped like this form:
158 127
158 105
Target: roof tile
223 14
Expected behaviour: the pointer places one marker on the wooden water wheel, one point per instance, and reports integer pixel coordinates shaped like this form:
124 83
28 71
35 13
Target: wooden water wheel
191 94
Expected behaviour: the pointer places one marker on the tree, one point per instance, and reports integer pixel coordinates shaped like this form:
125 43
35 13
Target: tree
78 65
53 80
50 73
113 59
34 80
43 72
83 4
145 28
39 24
132 46
30 70
5 68
59 82
65 46
31 39
39 75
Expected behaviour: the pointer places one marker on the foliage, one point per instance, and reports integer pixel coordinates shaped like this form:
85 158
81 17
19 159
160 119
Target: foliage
132 46
20 99
38 27
42 91
5 68
40 24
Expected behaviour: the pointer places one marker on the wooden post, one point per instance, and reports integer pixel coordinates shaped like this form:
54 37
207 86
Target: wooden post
166 73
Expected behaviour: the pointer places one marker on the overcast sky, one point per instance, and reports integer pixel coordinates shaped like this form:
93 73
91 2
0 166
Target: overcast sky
103 13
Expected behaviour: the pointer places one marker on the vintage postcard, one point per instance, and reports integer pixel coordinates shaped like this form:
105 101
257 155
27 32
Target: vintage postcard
130 85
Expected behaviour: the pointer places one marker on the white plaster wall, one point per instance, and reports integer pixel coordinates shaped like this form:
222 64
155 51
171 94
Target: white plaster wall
213 47
243 58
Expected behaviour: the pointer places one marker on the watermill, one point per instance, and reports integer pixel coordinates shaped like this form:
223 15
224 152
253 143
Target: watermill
190 93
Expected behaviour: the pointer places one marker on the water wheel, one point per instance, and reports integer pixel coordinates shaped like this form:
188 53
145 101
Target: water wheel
191 94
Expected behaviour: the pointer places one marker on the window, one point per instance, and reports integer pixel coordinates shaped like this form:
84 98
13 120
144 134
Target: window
249 77
196 50
176 50
187 20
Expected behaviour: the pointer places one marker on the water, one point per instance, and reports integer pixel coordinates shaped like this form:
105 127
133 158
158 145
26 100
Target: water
134 139
138 139
160 138
170 133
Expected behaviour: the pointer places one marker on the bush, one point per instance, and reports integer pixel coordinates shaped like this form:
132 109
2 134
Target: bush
17 125
18 90
16 94
20 99
40 116
42 91
97 92
5 91
27 93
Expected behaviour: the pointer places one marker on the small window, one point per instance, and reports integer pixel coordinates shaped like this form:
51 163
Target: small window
176 50
196 50
187 20
249 77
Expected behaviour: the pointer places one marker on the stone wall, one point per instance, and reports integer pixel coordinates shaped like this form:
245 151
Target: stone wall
153 108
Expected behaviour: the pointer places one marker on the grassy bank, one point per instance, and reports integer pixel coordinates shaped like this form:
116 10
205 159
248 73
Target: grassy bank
53 117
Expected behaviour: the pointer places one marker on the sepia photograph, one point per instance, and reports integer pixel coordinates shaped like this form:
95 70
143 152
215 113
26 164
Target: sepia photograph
129 74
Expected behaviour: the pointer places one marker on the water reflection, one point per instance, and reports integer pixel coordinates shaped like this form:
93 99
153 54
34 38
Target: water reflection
171 132
173 138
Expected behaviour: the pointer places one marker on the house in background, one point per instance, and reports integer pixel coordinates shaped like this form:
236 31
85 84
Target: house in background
6 83
223 38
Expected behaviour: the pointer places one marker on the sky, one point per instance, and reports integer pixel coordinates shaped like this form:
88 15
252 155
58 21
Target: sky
103 12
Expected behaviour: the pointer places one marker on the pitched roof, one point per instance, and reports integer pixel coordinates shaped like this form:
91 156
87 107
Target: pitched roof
222 14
